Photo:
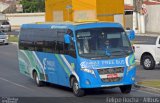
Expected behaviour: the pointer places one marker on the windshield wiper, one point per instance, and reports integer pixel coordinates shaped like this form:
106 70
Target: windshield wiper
121 51
101 57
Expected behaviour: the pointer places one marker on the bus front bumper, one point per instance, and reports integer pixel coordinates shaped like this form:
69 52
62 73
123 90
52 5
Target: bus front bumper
94 81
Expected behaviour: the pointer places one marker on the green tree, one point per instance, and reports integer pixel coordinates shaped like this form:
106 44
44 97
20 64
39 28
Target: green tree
31 6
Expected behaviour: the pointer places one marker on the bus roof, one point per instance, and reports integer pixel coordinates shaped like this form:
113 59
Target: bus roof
80 25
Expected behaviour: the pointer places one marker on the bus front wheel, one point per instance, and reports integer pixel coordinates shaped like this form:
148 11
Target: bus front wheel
37 81
126 89
76 90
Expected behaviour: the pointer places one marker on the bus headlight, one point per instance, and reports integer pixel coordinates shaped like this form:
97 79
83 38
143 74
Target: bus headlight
88 70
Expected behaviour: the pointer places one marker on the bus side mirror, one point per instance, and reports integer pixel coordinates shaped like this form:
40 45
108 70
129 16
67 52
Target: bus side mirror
131 34
67 39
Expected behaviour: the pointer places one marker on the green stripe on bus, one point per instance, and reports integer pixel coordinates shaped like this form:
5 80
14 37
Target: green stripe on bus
33 62
61 62
132 60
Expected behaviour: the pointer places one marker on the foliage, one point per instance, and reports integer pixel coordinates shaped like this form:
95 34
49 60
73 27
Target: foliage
30 6
13 38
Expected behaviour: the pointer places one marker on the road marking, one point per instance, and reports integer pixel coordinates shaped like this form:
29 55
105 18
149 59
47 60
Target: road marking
148 92
14 83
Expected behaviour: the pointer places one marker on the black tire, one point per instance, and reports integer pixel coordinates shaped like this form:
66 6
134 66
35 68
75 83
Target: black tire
148 62
37 81
75 87
126 89
6 43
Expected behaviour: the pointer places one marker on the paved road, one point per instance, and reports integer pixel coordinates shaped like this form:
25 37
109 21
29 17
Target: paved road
14 84
148 74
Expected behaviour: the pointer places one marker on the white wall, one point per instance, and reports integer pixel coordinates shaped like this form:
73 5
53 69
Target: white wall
128 2
2 17
18 19
152 19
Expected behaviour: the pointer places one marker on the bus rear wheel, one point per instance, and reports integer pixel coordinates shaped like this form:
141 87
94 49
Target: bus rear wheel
37 81
75 87
126 89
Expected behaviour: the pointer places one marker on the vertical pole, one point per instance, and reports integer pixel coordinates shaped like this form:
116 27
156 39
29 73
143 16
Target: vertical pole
143 24
135 21
139 23
139 10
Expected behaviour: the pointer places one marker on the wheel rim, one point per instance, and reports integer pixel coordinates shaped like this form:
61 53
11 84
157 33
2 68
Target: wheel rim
147 63
37 79
75 87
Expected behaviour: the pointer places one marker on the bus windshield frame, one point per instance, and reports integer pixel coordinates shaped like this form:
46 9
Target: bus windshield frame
103 43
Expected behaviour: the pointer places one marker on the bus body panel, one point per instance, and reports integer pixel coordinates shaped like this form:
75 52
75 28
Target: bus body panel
53 68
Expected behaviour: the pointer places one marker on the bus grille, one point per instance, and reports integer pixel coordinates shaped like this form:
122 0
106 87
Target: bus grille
111 71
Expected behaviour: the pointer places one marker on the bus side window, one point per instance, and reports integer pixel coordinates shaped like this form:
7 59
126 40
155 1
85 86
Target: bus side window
72 49
60 47
26 42
45 40
39 40
60 40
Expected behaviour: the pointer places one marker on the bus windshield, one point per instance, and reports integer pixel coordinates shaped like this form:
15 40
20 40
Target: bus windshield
103 43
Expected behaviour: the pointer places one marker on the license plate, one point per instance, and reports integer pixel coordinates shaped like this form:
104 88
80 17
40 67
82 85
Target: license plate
112 75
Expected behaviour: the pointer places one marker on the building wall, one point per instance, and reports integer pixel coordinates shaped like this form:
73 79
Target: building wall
111 10
103 10
57 7
128 2
84 9
8 6
152 19
3 6
84 4
2 17
16 20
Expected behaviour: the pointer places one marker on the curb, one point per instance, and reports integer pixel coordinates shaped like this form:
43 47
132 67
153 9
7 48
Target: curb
146 88
15 43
